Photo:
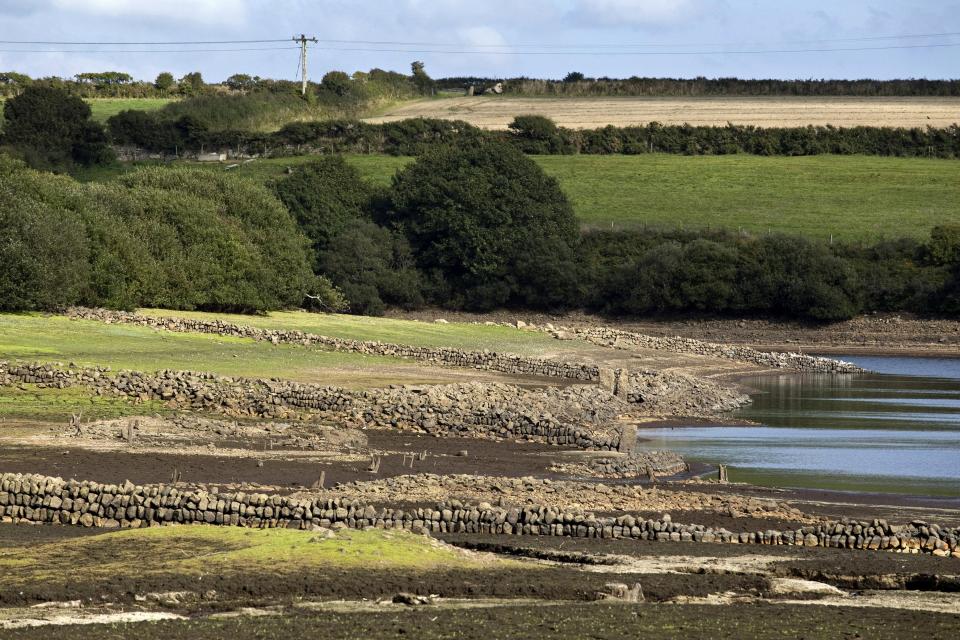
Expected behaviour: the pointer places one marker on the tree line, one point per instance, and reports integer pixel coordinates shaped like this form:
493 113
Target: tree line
576 84
533 134
480 227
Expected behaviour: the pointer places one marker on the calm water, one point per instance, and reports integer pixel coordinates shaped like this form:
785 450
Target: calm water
895 430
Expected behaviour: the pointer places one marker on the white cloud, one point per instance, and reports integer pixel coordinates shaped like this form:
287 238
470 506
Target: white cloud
230 12
612 13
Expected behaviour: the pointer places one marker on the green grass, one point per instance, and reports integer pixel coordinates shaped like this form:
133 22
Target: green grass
847 197
194 550
103 108
34 337
429 334
57 405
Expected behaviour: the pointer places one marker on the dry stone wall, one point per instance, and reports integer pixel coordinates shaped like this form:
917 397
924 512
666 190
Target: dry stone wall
486 360
657 392
498 411
43 499
619 339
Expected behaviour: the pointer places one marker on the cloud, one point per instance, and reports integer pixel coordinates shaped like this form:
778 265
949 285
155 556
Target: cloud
613 13
232 12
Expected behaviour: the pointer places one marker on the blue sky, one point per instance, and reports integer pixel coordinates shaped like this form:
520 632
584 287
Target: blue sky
513 37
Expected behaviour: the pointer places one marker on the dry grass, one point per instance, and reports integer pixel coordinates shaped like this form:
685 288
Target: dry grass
586 113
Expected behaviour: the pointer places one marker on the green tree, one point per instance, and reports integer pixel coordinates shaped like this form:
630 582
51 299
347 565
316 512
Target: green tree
192 84
12 83
373 267
43 246
51 128
164 81
336 83
483 221
424 83
240 82
323 197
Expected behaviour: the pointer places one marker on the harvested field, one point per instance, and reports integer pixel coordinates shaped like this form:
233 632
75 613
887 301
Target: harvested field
588 113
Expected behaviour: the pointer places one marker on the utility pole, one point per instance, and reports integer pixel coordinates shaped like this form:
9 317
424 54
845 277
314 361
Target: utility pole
303 40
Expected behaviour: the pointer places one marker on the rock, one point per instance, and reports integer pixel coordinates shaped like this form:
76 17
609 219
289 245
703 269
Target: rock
410 599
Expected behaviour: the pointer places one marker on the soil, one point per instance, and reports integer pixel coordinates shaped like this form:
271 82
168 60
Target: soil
601 621
484 457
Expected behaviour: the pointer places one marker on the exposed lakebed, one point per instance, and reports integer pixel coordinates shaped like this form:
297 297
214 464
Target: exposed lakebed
896 429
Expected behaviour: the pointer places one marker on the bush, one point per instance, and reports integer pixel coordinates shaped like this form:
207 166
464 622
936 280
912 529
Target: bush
373 267
52 129
481 221
237 247
43 247
177 239
324 196
537 134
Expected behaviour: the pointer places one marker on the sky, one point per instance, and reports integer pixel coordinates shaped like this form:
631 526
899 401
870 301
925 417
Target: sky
490 38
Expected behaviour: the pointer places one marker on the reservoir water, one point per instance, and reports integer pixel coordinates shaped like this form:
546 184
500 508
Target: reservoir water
896 430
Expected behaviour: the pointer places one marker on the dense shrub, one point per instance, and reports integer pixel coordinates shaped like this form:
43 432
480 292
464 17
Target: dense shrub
180 239
52 129
43 247
538 135
483 221
324 196
373 267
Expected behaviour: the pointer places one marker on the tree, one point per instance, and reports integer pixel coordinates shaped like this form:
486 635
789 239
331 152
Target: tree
51 128
164 81
323 197
336 83
574 76
536 134
424 83
192 84
483 222
240 82
43 247
373 267
12 83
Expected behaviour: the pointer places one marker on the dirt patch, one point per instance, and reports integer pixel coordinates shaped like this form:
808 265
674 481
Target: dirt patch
601 621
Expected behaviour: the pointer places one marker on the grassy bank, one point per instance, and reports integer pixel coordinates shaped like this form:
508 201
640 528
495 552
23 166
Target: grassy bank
33 337
426 334
847 197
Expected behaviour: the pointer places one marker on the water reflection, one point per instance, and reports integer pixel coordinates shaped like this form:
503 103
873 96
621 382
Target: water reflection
894 431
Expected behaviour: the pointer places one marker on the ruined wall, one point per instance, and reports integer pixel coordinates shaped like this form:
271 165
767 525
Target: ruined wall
498 411
42 499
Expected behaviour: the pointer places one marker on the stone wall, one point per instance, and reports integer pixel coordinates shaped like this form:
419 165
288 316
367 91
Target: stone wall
441 356
475 410
619 339
42 499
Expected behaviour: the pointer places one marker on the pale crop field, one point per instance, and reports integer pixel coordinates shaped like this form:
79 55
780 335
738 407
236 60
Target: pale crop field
496 112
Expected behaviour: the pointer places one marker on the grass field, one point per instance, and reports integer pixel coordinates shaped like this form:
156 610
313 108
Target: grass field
58 339
847 197
103 108
496 112
428 334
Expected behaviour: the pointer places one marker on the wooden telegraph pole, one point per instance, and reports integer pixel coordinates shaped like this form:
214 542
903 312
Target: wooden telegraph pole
303 40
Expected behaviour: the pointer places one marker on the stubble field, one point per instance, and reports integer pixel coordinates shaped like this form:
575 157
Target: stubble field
496 112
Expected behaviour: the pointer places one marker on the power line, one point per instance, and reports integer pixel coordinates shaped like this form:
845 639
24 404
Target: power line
639 45
641 53
486 46
146 50
184 42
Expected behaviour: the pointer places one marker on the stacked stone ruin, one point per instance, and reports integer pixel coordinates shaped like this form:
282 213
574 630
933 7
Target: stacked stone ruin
620 339
457 416
47 500
485 360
